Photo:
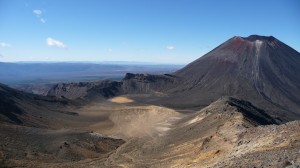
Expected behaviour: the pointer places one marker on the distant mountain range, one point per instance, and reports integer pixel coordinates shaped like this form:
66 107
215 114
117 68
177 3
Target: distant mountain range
54 72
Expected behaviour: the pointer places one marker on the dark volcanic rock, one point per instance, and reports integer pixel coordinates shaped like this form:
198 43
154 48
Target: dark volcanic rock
252 113
131 84
26 109
146 83
104 89
8 107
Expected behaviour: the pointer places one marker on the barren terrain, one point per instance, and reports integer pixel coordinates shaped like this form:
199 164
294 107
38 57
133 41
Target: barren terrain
220 135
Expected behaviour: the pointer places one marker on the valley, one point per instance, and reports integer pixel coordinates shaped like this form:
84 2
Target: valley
236 106
121 133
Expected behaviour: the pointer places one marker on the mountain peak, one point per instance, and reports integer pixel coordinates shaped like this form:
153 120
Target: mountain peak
250 68
258 37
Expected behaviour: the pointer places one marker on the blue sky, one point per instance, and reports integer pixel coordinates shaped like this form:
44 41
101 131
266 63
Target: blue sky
160 31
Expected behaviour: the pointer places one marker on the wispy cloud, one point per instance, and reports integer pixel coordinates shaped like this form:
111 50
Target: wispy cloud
1 55
43 20
38 14
55 43
110 50
4 45
170 47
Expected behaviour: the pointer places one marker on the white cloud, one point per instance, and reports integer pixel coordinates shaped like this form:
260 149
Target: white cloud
55 43
43 20
110 50
4 45
169 47
37 12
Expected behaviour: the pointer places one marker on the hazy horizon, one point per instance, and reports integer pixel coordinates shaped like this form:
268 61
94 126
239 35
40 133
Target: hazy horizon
95 62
